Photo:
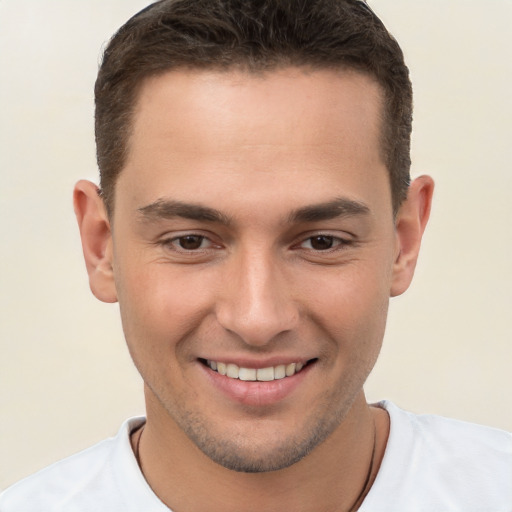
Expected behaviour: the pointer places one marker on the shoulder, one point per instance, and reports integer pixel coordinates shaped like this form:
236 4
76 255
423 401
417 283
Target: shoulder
436 463
428 428
79 480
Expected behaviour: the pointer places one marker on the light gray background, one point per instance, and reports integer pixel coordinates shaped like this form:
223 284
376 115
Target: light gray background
66 377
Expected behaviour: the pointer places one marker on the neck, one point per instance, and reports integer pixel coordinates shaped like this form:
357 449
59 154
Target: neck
335 476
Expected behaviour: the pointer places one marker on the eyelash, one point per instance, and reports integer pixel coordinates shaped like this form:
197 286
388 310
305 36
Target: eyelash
172 243
337 243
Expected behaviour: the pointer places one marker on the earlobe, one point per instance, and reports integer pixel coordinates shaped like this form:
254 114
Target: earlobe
95 233
410 224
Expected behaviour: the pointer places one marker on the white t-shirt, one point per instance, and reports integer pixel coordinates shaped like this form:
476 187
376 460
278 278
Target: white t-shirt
431 464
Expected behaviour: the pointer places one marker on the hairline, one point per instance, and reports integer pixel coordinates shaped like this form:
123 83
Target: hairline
251 70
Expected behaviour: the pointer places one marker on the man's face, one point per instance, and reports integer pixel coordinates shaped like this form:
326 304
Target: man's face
253 227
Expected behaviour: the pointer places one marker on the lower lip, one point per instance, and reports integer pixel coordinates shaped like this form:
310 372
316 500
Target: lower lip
255 393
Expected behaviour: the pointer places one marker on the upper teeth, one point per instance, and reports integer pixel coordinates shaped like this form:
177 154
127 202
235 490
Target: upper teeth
262 374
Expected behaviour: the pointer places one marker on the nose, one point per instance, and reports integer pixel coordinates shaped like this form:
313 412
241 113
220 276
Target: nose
256 302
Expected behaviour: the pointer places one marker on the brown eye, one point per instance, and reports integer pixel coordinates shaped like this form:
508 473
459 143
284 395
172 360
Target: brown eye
321 242
190 242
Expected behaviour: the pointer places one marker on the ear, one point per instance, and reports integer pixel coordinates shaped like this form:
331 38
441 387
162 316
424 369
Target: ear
410 224
96 238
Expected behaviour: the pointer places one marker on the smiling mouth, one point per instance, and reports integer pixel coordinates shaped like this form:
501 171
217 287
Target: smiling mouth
268 374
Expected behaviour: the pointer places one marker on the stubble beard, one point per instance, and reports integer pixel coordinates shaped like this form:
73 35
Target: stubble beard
272 448
241 452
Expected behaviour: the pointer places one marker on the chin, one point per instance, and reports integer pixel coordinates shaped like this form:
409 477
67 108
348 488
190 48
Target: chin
259 448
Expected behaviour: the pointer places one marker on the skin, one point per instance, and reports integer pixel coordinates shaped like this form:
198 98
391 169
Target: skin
296 253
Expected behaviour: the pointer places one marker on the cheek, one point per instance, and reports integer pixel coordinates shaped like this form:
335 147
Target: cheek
161 307
351 307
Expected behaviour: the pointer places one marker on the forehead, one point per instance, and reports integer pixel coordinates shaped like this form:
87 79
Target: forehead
220 102
268 133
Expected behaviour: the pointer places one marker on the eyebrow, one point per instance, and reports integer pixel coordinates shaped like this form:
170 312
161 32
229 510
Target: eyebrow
339 207
170 209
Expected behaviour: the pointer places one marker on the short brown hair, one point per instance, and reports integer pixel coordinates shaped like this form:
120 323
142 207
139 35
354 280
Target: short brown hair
255 35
